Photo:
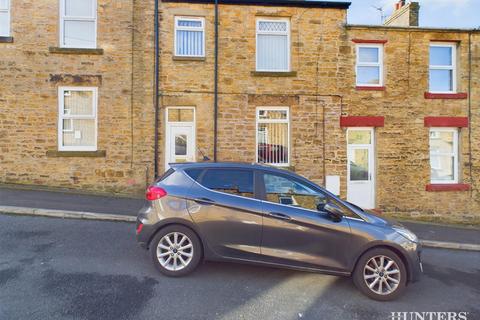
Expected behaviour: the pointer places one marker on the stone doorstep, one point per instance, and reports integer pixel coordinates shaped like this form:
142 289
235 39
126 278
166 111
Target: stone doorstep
121 218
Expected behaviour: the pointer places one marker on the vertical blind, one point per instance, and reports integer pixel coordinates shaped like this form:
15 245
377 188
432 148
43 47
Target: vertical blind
272 46
273 136
78 119
189 37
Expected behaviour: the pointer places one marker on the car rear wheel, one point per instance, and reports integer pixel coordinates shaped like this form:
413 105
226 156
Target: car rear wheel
380 274
176 251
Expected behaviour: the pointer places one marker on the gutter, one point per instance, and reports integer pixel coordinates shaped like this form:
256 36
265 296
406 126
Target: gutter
156 87
215 94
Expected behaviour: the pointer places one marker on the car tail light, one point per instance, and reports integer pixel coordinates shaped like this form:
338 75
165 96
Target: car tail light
139 228
154 193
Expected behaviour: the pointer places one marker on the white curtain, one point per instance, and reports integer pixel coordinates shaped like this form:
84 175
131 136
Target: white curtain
189 43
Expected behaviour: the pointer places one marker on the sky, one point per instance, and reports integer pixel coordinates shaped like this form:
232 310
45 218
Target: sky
433 13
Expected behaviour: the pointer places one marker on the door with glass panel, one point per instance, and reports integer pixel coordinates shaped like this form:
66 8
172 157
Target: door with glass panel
180 135
361 167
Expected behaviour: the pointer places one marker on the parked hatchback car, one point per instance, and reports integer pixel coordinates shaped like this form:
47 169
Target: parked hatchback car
252 213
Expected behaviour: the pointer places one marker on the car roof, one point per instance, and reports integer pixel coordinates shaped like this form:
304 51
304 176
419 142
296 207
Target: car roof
236 165
226 164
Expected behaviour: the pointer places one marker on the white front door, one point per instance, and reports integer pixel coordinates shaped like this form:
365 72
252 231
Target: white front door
361 167
180 136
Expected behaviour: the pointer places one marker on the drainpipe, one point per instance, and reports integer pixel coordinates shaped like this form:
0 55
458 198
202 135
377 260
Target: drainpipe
215 96
156 87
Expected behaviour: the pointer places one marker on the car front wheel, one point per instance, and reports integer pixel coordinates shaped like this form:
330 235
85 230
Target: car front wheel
176 251
380 274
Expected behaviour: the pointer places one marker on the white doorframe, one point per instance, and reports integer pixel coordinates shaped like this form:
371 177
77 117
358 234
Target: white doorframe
181 124
367 187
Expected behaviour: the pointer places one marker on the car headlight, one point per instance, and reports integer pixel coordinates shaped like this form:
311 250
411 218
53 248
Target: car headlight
407 234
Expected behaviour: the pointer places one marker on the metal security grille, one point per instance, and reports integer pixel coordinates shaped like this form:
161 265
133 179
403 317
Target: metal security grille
273 136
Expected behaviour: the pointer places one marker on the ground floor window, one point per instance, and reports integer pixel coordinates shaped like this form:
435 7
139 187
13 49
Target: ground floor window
77 122
273 135
444 155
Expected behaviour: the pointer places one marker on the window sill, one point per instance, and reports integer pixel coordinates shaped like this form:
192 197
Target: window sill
59 50
179 58
76 154
6 39
433 187
369 88
274 74
460 95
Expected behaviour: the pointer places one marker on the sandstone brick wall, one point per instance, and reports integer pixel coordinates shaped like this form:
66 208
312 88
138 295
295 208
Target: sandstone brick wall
30 75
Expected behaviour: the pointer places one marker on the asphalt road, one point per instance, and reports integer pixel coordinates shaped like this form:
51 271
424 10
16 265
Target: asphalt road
74 269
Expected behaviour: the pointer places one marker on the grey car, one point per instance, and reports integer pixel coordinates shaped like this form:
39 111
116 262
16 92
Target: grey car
253 213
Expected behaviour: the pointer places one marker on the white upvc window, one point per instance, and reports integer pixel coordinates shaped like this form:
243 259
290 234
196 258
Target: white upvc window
369 65
189 37
273 135
444 155
4 18
443 73
78 24
77 118
273 45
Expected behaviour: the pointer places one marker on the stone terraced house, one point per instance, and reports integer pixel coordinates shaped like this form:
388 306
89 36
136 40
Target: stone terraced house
98 96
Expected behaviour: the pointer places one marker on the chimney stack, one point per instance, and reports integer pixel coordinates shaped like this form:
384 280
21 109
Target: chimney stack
404 15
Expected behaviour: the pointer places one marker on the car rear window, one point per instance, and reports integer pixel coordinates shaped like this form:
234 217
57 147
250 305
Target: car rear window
194 173
232 181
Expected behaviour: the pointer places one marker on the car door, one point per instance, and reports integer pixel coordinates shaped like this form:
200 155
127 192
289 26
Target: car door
296 230
224 208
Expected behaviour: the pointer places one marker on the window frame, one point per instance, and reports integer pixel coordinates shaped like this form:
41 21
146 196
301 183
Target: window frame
287 121
62 116
453 67
176 28
8 11
63 17
378 64
455 154
287 33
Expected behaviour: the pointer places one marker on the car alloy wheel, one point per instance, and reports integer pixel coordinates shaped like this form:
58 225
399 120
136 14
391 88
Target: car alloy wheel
175 251
382 275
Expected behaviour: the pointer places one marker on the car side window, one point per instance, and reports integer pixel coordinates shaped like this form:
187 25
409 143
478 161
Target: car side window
232 181
287 191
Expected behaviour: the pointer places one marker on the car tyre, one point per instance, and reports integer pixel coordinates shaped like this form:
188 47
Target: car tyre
380 282
176 251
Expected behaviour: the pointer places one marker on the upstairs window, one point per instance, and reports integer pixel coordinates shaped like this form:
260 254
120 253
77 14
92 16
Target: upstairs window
273 45
273 135
442 77
189 37
369 66
78 23
4 18
77 124
444 155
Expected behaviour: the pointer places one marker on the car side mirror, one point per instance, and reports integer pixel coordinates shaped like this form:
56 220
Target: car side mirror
334 211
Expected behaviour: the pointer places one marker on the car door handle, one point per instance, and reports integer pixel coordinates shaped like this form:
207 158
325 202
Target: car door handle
280 216
204 201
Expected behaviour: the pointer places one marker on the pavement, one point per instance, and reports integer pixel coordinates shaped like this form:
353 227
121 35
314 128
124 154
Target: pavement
84 269
71 205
